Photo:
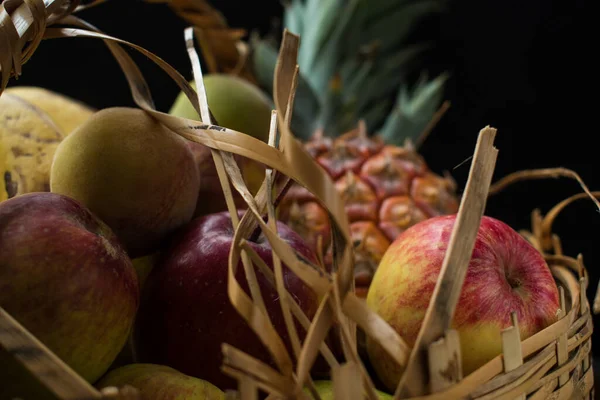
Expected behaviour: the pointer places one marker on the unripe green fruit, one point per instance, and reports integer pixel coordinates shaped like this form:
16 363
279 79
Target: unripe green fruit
235 103
325 390
160 382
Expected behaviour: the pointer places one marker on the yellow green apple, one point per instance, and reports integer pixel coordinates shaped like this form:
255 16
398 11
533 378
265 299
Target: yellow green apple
505 274
143 266
234 102
325 390
159 382
66 278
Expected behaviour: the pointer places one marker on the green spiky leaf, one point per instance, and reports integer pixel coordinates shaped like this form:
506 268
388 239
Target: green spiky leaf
355 58
390 29
293 20
413 110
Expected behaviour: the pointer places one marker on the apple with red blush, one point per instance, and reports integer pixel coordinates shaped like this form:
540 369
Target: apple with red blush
505 274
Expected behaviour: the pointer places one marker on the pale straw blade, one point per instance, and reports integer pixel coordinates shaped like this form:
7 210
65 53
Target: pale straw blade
512 354
349 345
23 24
317 332
445 362
237 359
377 328
226 164
347 383
56 376
562 352
294 306
279 279
446 293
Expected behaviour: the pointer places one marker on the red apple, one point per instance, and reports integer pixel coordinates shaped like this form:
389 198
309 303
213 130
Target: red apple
67 279
185 314
505 274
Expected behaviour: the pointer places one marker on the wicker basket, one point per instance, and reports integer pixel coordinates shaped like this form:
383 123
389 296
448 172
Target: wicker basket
553 364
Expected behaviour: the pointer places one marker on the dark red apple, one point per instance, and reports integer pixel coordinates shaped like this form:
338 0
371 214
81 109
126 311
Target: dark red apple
67 279
185 314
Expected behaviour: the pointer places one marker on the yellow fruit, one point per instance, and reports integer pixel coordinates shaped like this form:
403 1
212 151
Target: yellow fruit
159 382
28 140
143 266
325 390
67 113
138 176
234 102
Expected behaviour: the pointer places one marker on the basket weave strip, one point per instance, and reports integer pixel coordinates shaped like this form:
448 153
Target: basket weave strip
22 27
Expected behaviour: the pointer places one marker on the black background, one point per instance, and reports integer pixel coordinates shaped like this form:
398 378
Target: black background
524 67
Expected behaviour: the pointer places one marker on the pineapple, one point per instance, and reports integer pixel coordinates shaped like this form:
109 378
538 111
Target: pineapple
360 115
358 108
385 188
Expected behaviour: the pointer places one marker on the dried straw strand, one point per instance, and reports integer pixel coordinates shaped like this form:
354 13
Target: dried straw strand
440 312
542 173
51 371
222 46
22 27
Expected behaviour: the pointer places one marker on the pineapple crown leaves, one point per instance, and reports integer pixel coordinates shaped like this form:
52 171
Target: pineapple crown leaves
355 58
413 110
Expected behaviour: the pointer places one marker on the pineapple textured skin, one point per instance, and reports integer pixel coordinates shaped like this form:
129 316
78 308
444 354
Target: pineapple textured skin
385 188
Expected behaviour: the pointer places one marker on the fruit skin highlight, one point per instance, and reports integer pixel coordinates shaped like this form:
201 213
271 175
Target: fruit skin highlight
65 277
185 315
134 173
505 274
159 382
